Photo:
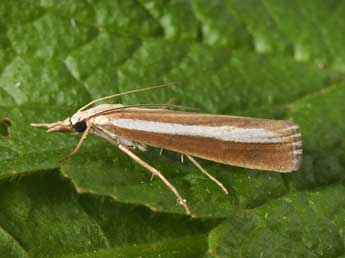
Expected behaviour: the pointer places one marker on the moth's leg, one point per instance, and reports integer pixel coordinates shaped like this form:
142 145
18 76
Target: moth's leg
155 172
202 170
76 149
182 157
140 146
171 101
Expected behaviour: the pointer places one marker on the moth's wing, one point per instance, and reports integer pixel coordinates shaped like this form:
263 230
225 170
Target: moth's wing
240 141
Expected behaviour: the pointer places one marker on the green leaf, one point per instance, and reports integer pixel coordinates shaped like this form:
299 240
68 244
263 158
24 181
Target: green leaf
304 224
42 216
270 59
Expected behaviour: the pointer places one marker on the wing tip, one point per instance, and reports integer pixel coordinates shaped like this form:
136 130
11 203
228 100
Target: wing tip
297 147
291 134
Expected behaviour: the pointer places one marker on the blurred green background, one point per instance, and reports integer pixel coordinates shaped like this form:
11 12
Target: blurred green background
268 58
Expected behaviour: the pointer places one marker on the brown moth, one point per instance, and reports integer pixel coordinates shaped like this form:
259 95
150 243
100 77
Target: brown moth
263 144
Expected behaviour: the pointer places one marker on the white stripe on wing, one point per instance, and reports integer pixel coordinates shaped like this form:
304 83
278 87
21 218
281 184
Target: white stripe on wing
224 133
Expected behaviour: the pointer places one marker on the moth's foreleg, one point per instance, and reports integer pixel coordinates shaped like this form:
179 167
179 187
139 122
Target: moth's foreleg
156 172
76 149
202 170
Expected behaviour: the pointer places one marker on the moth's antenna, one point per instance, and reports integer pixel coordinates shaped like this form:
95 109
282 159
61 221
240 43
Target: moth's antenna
142 105
125 93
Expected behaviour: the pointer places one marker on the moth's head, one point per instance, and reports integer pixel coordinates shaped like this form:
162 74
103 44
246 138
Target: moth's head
78 121
65 126
75 123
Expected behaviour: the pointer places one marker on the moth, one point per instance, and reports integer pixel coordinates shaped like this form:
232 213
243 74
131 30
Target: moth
263 144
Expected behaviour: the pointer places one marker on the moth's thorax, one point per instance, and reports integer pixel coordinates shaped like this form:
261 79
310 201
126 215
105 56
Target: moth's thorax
92 112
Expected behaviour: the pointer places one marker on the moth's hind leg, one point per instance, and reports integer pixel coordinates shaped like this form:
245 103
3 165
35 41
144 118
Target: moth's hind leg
156 172
202 170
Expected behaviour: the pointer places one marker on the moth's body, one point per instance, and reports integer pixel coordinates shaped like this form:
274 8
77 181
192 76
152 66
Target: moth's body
239 141
263 144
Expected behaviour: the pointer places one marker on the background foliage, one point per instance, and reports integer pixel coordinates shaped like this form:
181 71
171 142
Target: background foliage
274 59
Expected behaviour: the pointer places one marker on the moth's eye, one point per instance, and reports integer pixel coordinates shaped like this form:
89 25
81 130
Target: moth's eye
80 126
